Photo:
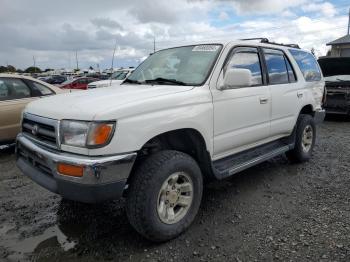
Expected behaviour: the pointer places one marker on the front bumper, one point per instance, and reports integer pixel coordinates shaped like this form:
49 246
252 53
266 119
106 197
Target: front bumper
104 177
319 116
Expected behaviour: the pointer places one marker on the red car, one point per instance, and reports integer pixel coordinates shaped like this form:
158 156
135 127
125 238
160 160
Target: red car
78 83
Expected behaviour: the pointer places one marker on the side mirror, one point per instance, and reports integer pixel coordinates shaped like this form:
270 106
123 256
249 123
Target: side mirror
236 78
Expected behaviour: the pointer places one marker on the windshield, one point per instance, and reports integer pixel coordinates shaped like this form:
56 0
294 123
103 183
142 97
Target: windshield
189 65
119 75
337 78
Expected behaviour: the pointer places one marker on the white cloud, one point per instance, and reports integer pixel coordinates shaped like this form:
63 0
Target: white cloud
223 16
30 28
326 9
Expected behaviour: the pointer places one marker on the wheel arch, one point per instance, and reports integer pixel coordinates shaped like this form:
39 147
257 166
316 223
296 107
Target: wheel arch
307 110
186 140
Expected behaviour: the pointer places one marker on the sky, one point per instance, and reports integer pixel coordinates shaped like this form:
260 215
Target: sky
53 31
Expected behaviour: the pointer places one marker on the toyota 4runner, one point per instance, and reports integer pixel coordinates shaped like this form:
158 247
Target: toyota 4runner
186 115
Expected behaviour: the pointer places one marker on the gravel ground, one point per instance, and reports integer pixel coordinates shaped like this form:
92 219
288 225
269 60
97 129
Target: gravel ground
271 212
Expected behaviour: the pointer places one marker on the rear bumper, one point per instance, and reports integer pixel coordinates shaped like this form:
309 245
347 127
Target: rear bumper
104 177
319 116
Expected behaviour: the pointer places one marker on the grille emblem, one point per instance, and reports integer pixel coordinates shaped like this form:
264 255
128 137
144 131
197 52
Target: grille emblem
35 130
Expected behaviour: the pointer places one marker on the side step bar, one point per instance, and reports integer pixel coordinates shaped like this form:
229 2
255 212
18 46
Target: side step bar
236 163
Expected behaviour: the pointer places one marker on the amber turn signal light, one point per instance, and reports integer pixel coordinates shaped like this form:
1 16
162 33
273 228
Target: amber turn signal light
70 170
101 134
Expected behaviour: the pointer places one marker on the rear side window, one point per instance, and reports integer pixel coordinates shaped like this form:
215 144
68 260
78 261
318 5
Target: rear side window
41 88
276 67
307 64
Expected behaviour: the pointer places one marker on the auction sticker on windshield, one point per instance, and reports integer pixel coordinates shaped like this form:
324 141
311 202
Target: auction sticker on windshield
206 48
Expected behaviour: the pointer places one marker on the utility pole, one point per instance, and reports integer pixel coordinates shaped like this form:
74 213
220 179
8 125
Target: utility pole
112 65
154 44
76 59
349 23
34 64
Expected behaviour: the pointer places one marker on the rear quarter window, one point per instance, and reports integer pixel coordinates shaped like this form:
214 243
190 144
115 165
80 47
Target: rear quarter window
307 64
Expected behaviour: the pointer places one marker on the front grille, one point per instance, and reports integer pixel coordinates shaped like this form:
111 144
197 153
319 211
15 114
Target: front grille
42 130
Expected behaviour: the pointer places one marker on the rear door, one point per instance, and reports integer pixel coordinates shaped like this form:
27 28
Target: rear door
286 93
14 96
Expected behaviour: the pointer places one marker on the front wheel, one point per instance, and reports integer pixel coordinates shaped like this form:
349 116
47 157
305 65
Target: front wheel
164 195
304 140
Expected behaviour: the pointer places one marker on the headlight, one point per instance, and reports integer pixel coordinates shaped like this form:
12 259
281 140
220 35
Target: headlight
86 134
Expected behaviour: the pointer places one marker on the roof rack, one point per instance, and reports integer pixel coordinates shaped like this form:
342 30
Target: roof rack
265 40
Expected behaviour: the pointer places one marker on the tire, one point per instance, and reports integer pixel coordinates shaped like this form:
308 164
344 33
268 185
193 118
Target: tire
301 152
146 205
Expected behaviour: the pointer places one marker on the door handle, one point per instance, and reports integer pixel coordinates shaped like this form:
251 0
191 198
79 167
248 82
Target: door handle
300 95
263 100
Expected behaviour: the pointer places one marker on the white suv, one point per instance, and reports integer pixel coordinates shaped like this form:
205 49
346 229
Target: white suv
185 115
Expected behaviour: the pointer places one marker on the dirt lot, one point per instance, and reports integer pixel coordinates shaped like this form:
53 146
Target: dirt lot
275 211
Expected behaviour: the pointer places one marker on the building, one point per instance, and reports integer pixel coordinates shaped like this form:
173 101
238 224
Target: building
340 47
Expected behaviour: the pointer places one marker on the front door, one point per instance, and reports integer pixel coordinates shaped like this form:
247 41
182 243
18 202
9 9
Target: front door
241 115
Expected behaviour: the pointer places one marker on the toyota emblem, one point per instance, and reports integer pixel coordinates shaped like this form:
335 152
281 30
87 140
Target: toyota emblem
35 130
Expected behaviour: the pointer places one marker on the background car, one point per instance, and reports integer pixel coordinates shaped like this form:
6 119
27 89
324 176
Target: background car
15 93
78 83
56 79
337 76
116 79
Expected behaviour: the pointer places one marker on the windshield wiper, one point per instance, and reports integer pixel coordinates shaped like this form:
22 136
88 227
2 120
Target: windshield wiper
132 81
165 80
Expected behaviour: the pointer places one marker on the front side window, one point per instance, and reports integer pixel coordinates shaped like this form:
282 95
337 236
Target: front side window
276 67
247 60
307 64
13 89
188 65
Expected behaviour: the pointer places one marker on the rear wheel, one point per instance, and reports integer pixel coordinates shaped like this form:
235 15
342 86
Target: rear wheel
305 139
164 195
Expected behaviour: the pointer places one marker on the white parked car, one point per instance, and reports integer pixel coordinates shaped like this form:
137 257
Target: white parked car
185 115
116 79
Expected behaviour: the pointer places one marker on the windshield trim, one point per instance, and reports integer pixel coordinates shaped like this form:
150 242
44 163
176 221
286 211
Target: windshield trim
189 84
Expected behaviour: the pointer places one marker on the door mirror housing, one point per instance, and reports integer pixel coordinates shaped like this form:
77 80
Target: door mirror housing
237 78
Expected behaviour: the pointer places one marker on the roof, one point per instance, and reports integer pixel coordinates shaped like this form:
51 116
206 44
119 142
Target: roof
341 41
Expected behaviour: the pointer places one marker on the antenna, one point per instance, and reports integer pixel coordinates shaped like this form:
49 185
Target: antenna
115 47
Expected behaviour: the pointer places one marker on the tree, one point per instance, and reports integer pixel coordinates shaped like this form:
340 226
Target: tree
11 68
32 70
6 69
3 69
313 51
20 71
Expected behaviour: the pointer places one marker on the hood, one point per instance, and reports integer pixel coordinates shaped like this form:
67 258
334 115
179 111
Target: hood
332 66
85 105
